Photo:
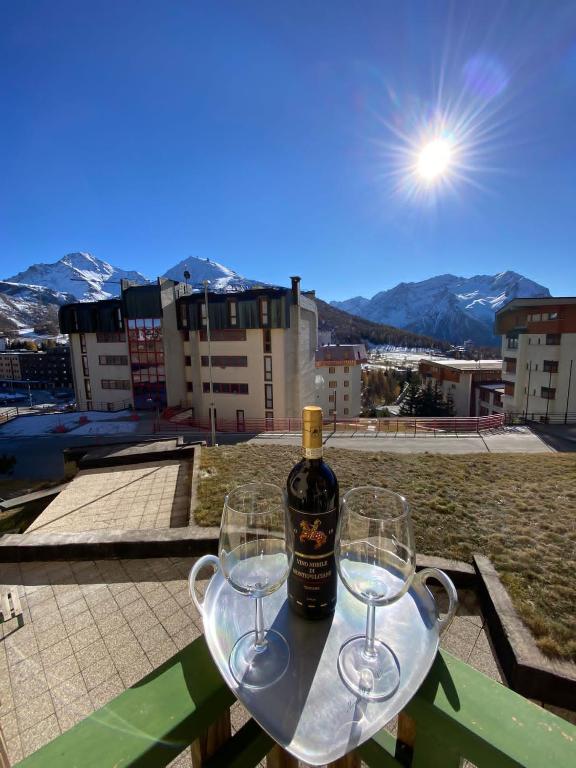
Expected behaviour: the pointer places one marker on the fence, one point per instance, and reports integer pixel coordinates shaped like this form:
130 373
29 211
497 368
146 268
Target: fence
8 414
568 417
405 426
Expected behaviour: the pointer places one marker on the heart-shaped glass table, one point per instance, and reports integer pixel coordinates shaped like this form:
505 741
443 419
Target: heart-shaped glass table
309 711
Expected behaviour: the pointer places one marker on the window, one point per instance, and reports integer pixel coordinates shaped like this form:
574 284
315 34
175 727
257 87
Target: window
189 387
346 383
509 389
332 384
269 415
224 334
331 398
225 388
187 361
233 312
534 318
553 338
510 365
83 343
485 395
267 339
267 369
548 393
512 343
264 317
331 411
186 335
550 366
88 389
331 369
346 397
346 369
203 314
113 359
225 361
111 338
346 411
85 370
268 396
553 316
115 384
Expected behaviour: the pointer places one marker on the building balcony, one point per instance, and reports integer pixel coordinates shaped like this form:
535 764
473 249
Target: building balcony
185 702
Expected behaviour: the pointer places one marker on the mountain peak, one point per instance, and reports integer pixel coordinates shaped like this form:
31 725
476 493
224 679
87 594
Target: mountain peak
446 306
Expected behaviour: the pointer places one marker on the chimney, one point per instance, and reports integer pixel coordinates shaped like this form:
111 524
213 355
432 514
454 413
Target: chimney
296 289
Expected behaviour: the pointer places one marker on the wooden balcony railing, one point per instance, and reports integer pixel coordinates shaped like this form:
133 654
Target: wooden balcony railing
457 713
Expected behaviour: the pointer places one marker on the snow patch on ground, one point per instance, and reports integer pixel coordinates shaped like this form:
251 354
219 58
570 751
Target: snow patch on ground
43 424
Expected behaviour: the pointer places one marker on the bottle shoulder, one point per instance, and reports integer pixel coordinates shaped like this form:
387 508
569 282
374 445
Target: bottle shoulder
312 484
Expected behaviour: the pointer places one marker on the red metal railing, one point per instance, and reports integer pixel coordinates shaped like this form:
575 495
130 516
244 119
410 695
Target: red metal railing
406 425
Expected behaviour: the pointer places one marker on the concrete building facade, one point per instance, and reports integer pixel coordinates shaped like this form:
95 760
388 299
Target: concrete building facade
459 379
149 349
338 379
50 369
539 353
489 399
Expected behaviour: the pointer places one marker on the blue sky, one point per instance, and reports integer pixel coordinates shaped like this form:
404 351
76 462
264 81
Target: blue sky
281 137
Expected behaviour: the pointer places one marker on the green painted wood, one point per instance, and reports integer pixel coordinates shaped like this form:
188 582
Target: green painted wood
244 750
378 752
150 723
490 725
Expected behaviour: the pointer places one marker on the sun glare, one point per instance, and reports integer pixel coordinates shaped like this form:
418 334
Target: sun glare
434 160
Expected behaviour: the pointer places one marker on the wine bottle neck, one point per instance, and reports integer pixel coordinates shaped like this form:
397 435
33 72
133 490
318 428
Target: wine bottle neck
312 453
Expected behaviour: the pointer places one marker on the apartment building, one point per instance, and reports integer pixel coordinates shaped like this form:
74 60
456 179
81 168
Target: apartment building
539 352
459 379
41 370
150 349
338 379
489 399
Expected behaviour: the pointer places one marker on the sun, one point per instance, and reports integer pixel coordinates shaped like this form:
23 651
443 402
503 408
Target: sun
433 160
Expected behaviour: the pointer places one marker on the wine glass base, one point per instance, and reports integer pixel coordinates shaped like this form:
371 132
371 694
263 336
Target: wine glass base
259 667
371 677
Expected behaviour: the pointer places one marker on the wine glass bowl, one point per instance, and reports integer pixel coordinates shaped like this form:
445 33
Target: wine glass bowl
255 557
375 558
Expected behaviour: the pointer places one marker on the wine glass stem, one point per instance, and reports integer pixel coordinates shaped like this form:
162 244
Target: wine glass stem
370 629
260 640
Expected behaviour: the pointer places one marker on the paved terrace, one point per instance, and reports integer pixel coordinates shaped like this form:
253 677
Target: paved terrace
92 629
153 494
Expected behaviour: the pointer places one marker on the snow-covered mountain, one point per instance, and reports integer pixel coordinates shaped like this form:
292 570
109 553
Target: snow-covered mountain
80 275
221 278
29 306
31 298
446 307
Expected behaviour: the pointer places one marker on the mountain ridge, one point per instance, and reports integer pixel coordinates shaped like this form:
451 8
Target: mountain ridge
447 307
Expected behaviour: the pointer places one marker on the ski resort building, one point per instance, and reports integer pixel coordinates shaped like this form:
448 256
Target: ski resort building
539 351
460 379
149 349
339 379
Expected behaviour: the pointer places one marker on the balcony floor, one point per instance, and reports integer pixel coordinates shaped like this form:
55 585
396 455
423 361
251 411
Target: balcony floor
92 629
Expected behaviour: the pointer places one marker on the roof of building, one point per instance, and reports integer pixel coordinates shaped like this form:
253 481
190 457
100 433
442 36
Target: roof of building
544 301
497 386
465 365
334 353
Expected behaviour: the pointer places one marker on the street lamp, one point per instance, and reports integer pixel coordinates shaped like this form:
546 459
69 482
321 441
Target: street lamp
212 421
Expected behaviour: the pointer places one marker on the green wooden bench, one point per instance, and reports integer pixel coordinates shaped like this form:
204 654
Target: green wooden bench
457 713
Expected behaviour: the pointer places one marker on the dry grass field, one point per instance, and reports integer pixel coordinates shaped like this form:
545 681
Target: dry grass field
519 510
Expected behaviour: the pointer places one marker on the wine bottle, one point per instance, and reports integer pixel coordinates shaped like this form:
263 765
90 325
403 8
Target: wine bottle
313 511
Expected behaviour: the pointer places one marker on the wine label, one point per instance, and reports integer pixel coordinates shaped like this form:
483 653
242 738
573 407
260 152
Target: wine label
313 578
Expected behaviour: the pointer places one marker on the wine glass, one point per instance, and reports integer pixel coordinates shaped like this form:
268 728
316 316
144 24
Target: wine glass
255 558
375 558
